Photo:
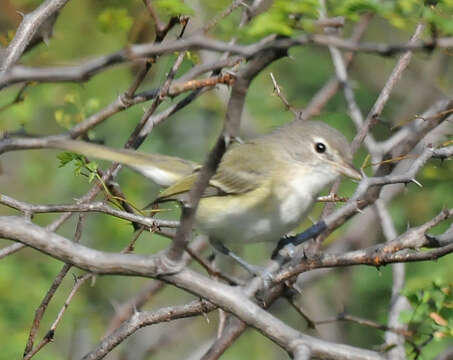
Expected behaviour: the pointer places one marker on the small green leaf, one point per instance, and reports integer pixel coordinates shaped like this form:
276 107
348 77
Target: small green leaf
70 98
65 158
92 166
406 316
111 20
173 7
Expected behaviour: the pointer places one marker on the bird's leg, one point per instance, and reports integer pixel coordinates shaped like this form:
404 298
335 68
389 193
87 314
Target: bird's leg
298 239
252 269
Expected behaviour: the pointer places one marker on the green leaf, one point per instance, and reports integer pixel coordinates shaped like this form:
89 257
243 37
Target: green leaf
284 17
406 316
66 157
111 20
92 166
173 7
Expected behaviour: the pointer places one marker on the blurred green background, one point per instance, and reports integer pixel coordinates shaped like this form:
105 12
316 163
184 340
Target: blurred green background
91 28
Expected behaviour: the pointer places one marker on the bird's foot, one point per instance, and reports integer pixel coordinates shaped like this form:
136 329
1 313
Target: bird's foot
308 234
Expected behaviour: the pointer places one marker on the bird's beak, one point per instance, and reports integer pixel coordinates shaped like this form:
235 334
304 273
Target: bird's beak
349 170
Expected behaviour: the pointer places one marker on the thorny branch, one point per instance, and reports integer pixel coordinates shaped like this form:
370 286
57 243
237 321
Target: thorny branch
225 296
235 300
30 25
98 206
39 313
200 42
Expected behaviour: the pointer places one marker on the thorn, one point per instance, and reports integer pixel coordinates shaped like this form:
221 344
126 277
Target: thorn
238 140
297 288
358 209
206 316
115 305
229 72
417 183
46 40
135 310
227 138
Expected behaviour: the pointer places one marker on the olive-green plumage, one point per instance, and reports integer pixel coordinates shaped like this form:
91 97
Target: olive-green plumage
262 189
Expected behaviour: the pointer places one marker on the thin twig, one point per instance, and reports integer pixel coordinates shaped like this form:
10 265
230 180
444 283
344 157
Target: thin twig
365 322
39 313
282 97
18 98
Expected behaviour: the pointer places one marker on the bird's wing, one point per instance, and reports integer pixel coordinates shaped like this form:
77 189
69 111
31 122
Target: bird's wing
241 170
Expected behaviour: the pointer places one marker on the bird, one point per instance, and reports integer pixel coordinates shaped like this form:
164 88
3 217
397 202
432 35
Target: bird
263 187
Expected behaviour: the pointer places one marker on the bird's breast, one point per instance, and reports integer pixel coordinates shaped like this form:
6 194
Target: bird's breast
264 214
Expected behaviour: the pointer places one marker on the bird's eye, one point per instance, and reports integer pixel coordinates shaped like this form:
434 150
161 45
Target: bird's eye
320 148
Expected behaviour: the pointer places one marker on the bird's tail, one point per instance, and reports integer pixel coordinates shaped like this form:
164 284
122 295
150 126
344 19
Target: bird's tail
162 169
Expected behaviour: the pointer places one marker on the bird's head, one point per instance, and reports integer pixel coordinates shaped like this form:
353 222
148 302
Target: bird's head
319 146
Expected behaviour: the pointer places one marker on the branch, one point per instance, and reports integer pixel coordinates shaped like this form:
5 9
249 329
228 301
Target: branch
376 110
124 311
97 206
121 104
321 98
367 192
18 229
51 333
29 26
39 313
366 322
229 298
20 97
398 302
200 42
342 75
146 318
9 250
282 97
402 249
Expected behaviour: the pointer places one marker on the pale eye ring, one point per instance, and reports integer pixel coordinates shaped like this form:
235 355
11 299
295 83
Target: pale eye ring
320 147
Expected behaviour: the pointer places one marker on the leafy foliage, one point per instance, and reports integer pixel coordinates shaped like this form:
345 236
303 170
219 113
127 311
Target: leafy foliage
112 19
431 316
80 164
401 13
173 7
74 109
284 17
287 17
